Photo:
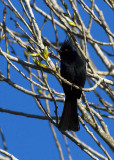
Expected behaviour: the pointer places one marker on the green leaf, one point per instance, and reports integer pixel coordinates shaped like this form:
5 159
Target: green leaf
40 91
72 24
45 52
34 54
57 66
26 54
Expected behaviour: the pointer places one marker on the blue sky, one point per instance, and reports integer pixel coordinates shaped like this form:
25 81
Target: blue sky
28 138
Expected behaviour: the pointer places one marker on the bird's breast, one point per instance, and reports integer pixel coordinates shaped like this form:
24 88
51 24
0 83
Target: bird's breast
67 71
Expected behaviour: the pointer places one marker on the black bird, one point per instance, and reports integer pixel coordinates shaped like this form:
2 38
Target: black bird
73 68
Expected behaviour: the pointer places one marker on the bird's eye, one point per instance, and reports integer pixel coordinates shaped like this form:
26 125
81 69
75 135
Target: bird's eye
66 49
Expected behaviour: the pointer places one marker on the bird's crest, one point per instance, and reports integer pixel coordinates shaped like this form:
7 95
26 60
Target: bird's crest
67 46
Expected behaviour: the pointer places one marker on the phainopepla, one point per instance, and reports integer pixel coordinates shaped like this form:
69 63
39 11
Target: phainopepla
73 68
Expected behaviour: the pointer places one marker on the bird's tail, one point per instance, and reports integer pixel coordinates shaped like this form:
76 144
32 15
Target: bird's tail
69 119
